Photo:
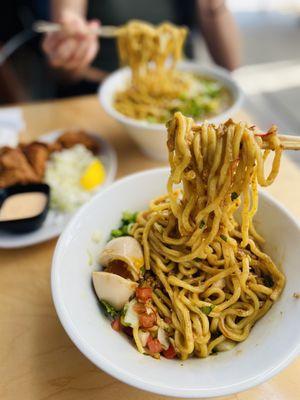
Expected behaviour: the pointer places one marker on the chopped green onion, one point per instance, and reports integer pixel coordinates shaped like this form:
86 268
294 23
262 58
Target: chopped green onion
143 270
223 237
211 88
234 196
128 217
207 309
183 96
115 233
194 107
108 309
152 119
129 226
125 230
202 224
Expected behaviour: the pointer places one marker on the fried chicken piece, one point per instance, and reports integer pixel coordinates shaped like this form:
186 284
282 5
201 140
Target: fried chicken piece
15 168
52 147
71 138
37 154
27 163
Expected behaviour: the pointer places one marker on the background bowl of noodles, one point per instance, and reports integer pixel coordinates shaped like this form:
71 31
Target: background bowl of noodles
151 136
272 344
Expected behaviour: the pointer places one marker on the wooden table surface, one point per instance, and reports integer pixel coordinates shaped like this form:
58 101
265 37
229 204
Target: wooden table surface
37 359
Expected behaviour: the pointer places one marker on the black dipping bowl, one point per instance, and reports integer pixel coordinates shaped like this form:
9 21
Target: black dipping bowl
25 224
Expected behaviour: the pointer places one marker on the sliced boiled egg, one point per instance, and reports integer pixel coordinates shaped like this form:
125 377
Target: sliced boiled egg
113 288
93 176
125 249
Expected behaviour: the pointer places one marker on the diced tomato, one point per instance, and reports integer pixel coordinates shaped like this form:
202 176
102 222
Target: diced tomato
143 294
170 352
154 345
168 320
139 308
116 325
147 320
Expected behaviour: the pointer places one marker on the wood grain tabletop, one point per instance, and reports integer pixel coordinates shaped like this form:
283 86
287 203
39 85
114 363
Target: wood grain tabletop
37 359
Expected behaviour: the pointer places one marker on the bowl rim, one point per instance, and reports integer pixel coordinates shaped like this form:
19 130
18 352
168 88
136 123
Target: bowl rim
121 373
216 71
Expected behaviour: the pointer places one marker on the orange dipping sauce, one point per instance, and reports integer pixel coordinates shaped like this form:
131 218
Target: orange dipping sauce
22 205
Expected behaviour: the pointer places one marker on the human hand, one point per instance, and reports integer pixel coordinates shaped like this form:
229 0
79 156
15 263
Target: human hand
75 46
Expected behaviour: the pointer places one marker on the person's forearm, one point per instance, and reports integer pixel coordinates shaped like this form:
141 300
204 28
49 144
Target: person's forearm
58 6
220 32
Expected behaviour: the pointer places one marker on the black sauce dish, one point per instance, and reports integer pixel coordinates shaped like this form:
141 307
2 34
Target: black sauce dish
30 224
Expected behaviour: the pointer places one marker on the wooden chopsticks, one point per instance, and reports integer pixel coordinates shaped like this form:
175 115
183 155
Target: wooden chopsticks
290 142
106 31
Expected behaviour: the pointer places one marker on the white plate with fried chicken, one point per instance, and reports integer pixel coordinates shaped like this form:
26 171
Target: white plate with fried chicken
75 165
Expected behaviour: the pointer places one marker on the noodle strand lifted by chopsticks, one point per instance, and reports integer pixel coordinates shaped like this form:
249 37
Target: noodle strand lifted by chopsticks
216 281
146 48
152 54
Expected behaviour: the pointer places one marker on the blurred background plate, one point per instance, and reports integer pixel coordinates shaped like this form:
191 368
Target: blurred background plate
56 221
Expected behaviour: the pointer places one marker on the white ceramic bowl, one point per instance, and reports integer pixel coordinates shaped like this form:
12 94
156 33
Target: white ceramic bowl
272 344
150 137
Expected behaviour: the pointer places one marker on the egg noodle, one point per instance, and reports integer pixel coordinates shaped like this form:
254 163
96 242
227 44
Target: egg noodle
151 53
215 280
146 49
157 88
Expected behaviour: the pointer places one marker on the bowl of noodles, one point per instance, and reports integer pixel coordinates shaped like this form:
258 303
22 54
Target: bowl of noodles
155 84
214 96
214 265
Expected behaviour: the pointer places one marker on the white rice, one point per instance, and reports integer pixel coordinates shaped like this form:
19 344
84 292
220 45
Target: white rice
63 172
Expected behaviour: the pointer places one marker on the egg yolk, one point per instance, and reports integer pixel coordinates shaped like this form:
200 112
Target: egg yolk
93 176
